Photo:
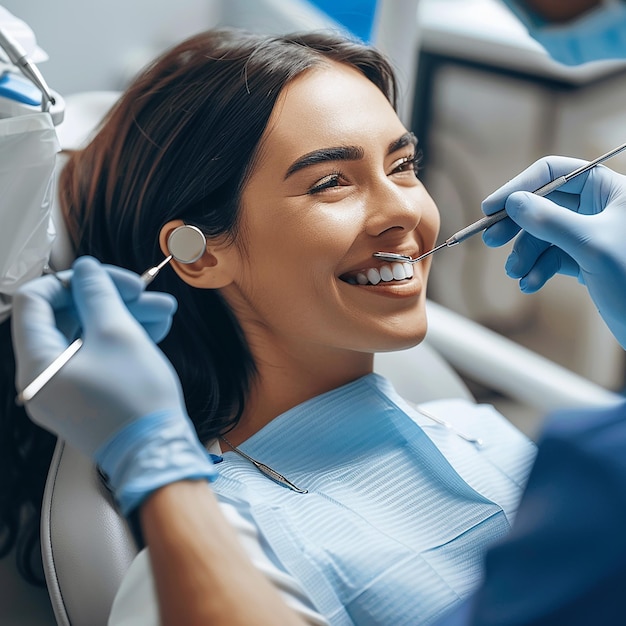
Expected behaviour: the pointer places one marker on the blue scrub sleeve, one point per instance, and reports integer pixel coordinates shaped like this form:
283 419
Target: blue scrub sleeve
564 561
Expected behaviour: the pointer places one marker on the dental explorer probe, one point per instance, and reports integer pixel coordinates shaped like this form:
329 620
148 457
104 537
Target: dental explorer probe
186 244
489 220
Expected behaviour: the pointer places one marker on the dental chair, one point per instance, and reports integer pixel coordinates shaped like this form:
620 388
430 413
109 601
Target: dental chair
86 545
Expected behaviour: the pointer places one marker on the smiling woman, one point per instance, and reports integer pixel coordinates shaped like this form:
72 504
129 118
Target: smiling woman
338 193
287 153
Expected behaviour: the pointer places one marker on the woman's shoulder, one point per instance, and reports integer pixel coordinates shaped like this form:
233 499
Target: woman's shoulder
489 452
482 425
136 599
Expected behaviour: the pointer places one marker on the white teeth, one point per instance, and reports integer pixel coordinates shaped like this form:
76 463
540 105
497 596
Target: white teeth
373 276
399 272
386 274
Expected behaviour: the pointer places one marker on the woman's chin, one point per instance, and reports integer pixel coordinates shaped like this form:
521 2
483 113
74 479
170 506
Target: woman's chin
403 340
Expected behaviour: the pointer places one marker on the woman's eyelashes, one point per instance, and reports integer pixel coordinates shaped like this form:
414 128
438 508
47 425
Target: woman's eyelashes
409 163
334 179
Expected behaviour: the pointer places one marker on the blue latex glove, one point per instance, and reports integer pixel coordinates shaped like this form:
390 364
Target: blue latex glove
118 400
152 310
577 230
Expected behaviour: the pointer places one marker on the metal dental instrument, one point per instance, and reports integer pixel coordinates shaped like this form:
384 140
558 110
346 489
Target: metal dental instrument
186 244
17 55
489 220
265 469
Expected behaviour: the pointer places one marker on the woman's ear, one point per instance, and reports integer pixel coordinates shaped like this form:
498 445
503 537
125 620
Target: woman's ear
210 271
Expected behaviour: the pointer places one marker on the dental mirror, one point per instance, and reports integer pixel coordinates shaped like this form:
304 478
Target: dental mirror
186 244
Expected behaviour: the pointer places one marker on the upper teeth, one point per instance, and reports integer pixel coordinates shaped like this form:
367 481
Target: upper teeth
387 273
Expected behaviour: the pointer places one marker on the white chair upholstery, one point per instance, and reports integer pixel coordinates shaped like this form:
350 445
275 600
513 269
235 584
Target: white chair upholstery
502 365
86 545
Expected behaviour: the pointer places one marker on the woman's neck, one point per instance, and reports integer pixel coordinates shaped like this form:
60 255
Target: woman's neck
279 387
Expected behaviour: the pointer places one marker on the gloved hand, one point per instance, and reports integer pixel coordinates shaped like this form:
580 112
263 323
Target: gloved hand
152 310
576 230
118 399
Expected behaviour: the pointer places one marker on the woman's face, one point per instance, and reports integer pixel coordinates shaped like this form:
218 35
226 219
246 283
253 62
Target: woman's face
334 183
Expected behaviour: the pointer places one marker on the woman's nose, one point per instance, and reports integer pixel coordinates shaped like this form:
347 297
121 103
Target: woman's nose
392 207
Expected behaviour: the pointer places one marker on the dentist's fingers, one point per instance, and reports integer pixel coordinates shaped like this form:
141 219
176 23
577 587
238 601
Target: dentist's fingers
552 261
550 222
36 304
154 311
537 175
128 284
500 233
36 339
525 253
503 231
97 299
45 319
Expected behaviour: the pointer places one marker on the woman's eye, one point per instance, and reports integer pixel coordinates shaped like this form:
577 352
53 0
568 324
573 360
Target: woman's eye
407 164
328 182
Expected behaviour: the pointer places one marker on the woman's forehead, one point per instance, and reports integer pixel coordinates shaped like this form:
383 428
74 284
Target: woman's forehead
331 104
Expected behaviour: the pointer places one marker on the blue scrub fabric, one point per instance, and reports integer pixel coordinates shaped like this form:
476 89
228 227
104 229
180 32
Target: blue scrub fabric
564 562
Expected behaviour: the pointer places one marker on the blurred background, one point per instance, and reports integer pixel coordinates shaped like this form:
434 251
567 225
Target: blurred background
482 96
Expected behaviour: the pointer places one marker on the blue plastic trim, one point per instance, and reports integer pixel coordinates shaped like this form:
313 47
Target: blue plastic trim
20 89
356 15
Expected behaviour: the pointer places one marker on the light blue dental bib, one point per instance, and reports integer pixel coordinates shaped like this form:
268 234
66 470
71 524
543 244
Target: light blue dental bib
389 532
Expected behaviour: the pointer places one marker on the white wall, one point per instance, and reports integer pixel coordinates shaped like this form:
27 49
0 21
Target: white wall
98 45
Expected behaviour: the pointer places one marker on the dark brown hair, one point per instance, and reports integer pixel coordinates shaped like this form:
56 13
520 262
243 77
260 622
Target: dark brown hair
179 144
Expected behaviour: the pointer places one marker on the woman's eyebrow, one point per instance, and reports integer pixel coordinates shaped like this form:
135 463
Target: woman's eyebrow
407 139
345 153
341 153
